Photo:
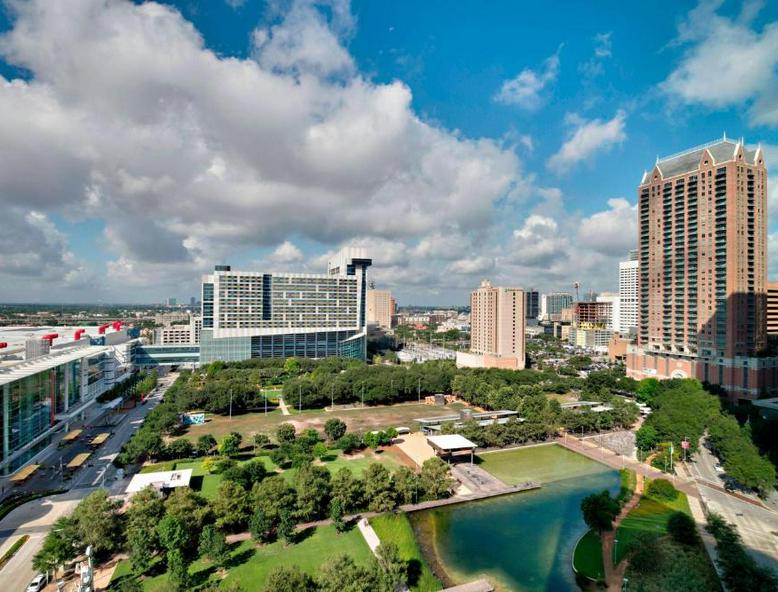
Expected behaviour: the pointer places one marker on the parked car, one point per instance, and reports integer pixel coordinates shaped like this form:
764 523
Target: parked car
38 583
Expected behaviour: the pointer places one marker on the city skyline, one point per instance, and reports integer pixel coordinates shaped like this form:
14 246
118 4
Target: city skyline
511 154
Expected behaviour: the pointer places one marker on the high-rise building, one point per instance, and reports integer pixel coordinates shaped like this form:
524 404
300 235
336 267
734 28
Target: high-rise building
772 311
531 304
251 314
381 307
590 324
497 321
552 304
628 294
614 319
702 218
172 302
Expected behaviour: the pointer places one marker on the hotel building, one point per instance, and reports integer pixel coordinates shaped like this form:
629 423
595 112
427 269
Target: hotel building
497 323
702 217
251 314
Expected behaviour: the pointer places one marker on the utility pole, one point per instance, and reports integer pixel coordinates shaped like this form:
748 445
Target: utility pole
363 394
265 393
332 396
300 398
418 389
230 404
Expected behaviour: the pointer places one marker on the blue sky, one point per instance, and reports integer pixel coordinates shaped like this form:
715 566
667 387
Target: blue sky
454 140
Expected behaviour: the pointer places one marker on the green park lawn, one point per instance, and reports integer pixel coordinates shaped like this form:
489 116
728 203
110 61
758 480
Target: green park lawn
650 515
251 563
587 558
396 528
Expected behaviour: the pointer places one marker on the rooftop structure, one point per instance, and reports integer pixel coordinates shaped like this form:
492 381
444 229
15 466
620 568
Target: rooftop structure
161 480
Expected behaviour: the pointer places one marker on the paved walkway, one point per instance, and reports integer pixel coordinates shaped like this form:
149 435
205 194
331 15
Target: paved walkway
614 575
617 461
370 536
282 405
477 586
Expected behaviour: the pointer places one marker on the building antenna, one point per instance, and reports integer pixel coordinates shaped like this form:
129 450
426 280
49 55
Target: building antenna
577 285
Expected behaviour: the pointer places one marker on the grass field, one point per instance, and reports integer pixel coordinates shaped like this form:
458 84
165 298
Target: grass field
250 563
628 483
395 528
587 557
650 515
358 420
545 464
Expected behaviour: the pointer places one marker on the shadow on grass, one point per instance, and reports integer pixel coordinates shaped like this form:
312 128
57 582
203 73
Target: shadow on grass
414 571
200 577
240 558
301 535
196 483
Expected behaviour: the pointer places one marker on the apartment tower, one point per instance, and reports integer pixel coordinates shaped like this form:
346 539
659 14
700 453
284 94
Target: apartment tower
772 311
497 322
702 219
628 294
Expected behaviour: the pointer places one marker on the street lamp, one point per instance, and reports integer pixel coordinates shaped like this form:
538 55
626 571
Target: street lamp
615 548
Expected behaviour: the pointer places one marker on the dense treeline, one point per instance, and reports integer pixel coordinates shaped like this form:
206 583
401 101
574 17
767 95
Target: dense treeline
137 386
684 410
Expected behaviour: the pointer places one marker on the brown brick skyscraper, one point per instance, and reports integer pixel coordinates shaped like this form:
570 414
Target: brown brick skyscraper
702 228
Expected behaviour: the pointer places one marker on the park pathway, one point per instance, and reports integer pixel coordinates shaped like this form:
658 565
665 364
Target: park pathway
614 575
282 405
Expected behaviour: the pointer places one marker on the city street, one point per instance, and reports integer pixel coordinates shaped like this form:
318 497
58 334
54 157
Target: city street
758 525
36 517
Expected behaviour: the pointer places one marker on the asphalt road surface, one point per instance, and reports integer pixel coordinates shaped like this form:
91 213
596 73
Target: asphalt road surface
757 526
36 518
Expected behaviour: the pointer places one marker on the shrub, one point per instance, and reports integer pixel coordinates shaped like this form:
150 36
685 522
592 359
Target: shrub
662 489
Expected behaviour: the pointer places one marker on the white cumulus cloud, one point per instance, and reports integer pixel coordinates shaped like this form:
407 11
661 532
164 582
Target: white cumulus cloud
588 138
525 90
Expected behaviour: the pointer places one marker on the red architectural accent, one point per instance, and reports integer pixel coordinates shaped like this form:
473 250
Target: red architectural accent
102 328
77 335
3 344
50 337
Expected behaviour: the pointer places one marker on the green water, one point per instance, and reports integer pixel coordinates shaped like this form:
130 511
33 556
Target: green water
522 542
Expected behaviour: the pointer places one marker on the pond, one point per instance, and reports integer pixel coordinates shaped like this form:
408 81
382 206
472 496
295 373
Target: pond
522 542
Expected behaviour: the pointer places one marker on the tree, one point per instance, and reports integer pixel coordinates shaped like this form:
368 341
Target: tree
320 450
646 390
392 570
175 539
379 488
342 574
260 526
145 511
61 545
213 545
647 438
313 492
434 479
335 428
99 525
181 448
192 511
406 485
261 440
285 433
231 507
286 527
289 579
336 515
349 442
205 444
682 528
230 446
600 510
347 490
273 495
